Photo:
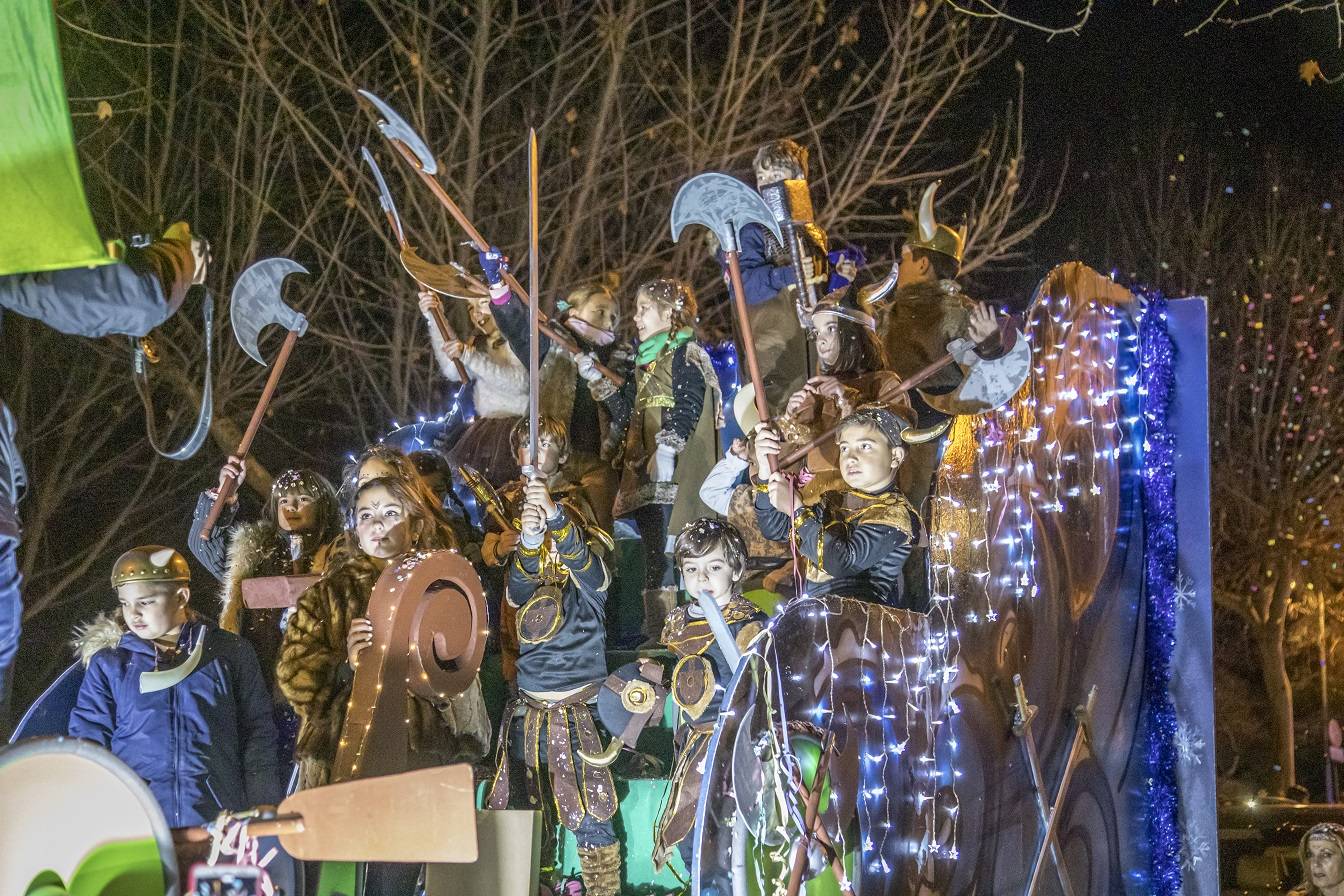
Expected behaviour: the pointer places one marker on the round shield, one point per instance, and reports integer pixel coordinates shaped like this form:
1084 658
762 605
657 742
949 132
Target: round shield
541 617
988 384
71 808
628 702
693 684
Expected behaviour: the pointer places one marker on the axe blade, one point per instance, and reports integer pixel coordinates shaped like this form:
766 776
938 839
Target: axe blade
723 204
384 194
255 303
394 127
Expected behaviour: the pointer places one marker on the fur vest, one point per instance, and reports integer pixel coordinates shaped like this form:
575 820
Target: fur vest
314 676
259 549
916 326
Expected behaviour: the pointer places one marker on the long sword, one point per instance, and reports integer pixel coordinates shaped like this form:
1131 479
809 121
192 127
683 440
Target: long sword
533 306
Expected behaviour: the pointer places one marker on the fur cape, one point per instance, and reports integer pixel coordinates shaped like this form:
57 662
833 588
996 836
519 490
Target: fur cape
313 675
917 324
258 549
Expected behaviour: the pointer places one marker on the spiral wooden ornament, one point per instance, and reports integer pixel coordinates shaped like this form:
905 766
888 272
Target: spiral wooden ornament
429 632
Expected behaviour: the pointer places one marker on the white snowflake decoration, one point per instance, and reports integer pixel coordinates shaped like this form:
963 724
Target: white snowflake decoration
1183 592
1194 849
1189 744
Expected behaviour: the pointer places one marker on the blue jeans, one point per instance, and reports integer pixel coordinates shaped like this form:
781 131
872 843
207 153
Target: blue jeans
11 617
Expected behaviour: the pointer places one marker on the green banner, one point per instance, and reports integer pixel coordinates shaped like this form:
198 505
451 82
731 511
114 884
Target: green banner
44 221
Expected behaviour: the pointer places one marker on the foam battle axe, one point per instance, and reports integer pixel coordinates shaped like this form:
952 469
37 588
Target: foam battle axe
254 305
412 148
725 205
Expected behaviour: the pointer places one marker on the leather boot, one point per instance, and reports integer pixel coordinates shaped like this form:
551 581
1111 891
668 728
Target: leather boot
601 869
658 602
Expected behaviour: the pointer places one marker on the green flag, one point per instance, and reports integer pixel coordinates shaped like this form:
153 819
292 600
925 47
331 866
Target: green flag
44 221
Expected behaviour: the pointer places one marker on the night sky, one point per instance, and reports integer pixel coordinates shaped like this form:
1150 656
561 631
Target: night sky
1132 71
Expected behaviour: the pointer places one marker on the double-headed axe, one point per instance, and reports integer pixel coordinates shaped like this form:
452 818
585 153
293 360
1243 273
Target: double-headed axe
394 221
416 153
254 304
725 205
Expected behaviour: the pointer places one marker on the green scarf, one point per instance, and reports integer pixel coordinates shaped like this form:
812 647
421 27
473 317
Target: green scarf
652 347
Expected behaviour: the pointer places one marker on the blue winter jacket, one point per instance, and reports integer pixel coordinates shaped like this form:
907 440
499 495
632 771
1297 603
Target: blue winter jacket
205 744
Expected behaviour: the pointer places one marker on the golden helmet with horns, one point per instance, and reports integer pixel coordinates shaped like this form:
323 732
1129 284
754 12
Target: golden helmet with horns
927 233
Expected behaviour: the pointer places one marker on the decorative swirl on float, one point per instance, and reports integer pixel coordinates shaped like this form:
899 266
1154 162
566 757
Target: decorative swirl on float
429 632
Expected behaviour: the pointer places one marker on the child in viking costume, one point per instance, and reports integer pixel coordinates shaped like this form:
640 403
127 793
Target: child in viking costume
774 304
498 390
387 518
498 547
729 492
669 410
855 539
853 373
180 701
301 520
558 588
712 559
925 317
591 315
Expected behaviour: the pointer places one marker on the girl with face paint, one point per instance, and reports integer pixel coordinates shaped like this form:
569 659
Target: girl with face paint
386 517
299 523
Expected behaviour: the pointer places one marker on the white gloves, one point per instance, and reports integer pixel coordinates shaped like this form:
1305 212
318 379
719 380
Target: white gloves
662 464
587 367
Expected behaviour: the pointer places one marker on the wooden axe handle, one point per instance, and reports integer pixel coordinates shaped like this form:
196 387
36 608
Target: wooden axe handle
285 823
440 322
447 335
245 444
748 344
1006 336
479 242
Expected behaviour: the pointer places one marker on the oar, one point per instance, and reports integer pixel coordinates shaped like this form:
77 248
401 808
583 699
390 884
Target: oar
422 816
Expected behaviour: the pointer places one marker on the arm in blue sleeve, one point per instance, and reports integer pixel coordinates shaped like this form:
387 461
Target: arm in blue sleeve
841 549
257 734
213 552
524 574
95 714
761 278
774 525
571 544
511 318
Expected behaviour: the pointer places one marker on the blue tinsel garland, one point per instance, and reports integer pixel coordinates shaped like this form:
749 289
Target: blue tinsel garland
1160 568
